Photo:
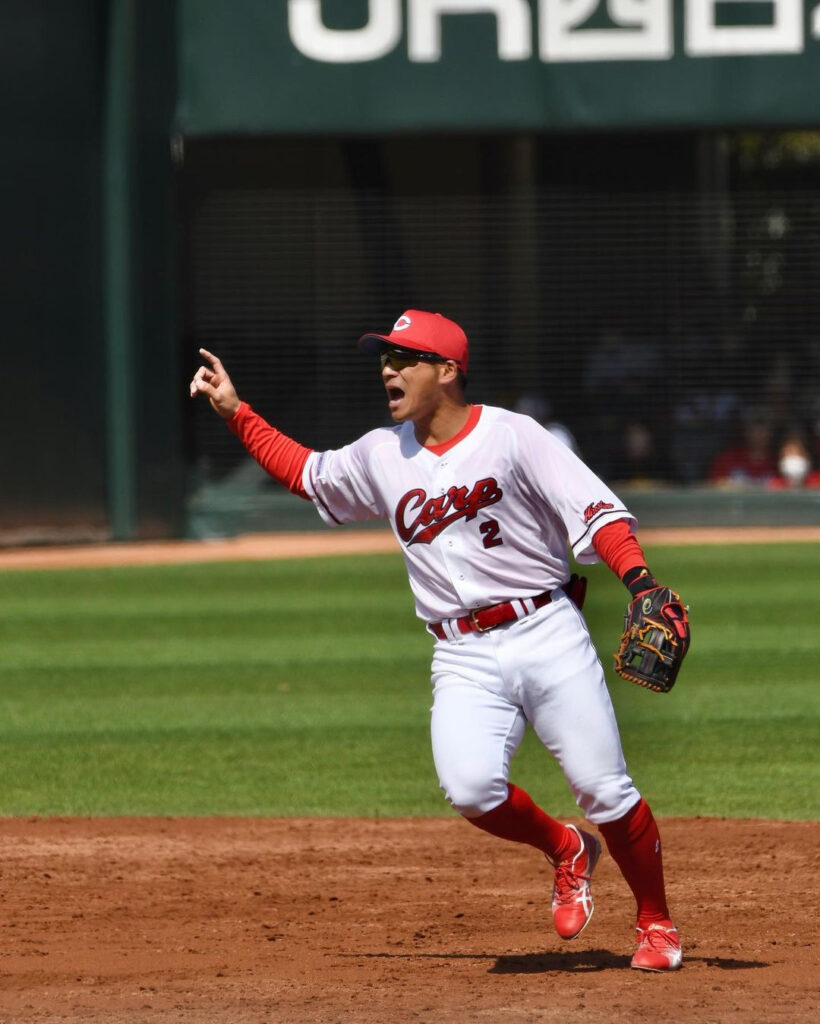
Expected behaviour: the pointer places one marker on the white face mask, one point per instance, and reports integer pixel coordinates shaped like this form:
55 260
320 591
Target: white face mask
794 468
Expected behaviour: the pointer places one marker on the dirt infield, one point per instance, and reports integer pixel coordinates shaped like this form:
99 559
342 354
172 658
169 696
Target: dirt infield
318 543
314 921
310 921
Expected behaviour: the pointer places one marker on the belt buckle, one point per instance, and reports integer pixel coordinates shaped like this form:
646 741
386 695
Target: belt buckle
474 621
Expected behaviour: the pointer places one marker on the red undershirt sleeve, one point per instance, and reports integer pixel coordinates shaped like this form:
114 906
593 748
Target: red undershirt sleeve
279 455
619 548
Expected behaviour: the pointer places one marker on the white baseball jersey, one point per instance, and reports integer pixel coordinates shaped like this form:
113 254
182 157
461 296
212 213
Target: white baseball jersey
488 520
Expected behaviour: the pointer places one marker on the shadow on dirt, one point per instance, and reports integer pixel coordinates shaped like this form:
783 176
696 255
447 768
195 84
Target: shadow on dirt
588 961
580 962
726 963
592 960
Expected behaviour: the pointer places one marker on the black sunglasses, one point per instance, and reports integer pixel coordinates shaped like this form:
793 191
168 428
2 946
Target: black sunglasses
401 358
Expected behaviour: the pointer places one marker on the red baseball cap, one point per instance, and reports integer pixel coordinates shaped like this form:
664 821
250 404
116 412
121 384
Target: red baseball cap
422 332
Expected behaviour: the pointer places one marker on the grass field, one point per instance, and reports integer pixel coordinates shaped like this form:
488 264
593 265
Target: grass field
302 687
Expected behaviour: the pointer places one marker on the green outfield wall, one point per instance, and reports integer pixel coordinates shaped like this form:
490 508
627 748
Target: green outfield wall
261 66
91 422
616 198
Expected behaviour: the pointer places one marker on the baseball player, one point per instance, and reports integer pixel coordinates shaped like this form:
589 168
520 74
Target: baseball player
485 504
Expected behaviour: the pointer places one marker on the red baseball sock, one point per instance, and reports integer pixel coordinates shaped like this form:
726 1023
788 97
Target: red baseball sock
523 821
635 845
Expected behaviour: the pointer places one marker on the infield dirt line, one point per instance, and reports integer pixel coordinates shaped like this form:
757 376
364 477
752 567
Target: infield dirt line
321 543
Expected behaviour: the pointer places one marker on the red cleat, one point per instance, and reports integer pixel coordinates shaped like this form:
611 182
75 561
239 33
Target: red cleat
658 949
572 904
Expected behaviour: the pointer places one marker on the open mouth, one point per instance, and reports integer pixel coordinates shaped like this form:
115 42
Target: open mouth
394 394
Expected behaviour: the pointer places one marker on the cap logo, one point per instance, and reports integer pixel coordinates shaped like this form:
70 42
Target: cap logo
402 323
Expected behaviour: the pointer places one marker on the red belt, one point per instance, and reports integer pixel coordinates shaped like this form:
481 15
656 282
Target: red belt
483 619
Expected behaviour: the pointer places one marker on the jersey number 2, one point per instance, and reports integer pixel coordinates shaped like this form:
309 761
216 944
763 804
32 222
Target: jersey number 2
490 530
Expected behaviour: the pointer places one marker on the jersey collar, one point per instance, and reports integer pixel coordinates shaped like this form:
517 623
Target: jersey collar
469 426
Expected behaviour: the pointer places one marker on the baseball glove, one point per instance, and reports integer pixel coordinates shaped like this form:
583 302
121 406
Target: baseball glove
654 641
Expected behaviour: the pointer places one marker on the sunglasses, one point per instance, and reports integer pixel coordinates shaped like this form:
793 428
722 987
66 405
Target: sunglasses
400 359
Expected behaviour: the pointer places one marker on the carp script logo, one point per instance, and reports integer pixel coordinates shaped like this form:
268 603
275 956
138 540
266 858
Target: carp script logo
419 519
592 510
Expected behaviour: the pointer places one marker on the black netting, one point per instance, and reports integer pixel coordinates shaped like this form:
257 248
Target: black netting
657 324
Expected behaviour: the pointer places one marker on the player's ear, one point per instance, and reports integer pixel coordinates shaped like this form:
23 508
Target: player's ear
448 371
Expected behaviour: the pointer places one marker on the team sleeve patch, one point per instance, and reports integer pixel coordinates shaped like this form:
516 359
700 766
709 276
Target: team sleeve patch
596 507
594 516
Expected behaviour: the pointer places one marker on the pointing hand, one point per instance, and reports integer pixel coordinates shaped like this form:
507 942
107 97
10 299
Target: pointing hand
214 382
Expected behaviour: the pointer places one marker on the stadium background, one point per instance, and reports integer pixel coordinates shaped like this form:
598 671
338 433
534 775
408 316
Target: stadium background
632 244
176 173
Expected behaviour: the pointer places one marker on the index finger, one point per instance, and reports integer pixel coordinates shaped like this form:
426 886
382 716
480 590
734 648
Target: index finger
212 359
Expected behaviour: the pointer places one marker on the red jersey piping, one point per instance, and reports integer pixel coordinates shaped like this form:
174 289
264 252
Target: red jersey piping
469 426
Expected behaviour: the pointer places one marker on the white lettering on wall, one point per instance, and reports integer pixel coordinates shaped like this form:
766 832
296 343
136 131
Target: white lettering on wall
314 39
639 29
704 38
424 26
644 30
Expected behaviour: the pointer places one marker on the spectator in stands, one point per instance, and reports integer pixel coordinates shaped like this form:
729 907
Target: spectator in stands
639 461
700 419
752 462
794 464
540 408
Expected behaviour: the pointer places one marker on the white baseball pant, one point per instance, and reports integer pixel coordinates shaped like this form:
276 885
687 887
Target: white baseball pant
541 669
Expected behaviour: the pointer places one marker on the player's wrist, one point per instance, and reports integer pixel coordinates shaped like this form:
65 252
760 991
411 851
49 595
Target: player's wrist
229 408
638 580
